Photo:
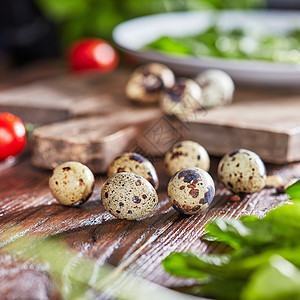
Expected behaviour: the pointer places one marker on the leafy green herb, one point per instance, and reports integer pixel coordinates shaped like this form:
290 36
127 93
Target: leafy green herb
233 44
79 277
264 262
279 279
294 191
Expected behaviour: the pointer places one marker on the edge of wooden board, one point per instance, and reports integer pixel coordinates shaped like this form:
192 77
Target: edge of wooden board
273 147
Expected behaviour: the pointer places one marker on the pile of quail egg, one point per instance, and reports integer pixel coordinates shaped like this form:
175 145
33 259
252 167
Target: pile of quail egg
130 191
156 83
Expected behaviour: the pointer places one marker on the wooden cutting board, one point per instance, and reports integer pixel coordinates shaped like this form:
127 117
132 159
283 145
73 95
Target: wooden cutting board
66 96
94 141
265 122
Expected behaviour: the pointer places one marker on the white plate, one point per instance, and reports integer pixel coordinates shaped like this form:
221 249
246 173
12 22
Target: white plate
131 35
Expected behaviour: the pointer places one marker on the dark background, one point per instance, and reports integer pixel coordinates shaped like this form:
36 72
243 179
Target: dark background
31 30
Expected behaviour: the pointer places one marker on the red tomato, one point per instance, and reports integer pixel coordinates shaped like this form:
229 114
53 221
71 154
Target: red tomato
12 135
92 54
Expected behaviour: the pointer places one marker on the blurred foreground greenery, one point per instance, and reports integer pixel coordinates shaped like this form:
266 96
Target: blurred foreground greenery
264 263
76 276
236 43
97 18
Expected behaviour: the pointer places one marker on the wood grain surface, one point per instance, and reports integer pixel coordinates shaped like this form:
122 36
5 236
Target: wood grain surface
135 246
267 124
94 141
65 96
11 78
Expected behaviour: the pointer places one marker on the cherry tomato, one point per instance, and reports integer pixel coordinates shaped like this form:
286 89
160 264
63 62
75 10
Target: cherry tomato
12 135
92 54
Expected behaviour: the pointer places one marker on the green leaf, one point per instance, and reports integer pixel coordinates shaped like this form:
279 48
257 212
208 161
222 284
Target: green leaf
229 231
233 43
285 223
169 44
278 280
242 267
294 191
182 264
79 277
222 289
190 266
209 238
264 265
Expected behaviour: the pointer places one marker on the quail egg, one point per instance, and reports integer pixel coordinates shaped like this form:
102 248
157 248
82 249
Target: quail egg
128 196
242 171
217 88
182 99
191 190
71 183
147 82
135 163
186 154
274 181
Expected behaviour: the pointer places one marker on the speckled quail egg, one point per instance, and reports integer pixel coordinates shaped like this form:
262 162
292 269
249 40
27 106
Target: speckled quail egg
191 190
147 82
182 99
135 163
71 183
186 154
128 196
217 88
242 171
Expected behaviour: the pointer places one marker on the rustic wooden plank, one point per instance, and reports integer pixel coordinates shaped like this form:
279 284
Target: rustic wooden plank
66 96
27 205
11 78
268 126
94 141
137 246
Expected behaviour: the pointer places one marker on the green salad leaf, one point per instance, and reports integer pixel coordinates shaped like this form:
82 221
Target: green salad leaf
294 191
236 43
279 279
264 262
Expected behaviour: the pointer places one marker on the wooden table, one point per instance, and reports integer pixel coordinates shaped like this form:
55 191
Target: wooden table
139 246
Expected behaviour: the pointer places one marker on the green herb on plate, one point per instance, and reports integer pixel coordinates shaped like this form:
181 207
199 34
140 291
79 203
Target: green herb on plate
236 43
